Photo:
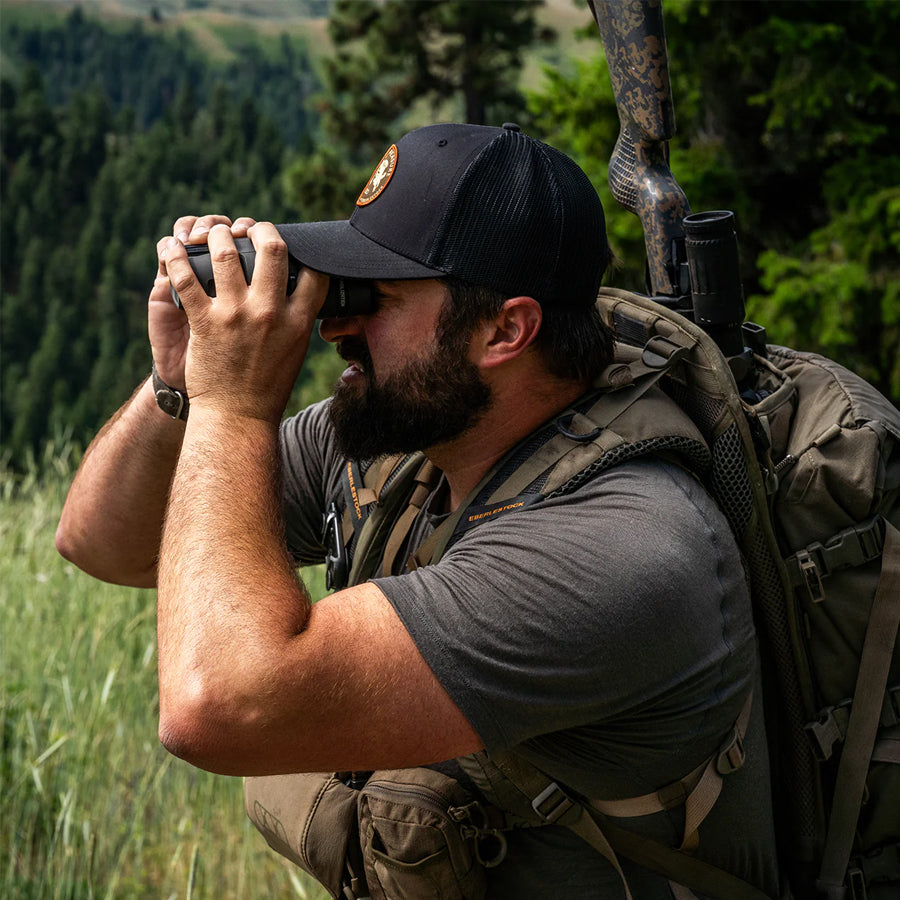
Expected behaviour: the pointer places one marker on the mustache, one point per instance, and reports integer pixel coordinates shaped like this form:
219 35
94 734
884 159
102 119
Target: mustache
355 350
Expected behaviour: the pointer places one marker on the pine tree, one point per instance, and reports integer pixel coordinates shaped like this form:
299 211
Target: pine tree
460 57
788 114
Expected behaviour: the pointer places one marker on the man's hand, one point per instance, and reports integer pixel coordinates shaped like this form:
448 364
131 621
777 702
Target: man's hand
167 325
113 517
246 346
254 679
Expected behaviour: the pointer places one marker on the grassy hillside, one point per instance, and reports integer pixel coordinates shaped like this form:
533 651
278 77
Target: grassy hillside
93 807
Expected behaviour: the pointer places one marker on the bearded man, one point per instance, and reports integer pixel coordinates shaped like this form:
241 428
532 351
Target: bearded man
603 634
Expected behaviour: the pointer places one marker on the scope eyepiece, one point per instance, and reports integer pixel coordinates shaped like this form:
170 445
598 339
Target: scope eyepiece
710 244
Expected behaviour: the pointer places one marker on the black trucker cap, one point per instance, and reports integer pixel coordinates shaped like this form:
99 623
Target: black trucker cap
488 205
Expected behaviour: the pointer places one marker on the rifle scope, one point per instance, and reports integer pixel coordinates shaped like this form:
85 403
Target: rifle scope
710 244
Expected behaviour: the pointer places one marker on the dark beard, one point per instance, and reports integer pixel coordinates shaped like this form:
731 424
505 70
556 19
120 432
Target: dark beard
426 403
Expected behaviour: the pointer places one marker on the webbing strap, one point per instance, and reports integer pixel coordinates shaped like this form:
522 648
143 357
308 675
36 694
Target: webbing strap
680 868
874 665
434 545
698 791
698 804
357 498
426 480
538 800
377 525
686 874
362 490
386 469
668 797
853 546
588 829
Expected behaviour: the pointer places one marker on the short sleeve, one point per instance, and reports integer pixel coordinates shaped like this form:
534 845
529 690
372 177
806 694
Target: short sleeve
311 468
617 614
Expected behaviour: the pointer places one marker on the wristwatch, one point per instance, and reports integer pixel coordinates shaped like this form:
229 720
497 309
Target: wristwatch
170 400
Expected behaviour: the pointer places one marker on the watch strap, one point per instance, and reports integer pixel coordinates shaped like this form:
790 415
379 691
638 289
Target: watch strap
170 400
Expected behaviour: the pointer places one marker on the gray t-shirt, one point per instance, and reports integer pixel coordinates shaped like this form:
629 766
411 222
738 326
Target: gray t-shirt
605 635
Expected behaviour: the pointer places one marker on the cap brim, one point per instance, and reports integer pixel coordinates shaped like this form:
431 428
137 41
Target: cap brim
337 248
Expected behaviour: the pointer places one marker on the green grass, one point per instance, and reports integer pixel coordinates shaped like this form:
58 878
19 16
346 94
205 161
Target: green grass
92 805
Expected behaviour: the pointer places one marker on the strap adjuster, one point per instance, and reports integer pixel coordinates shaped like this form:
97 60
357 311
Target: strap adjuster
551 804
809 572
856 882
871 538
661 352
826 731
854 546
731 754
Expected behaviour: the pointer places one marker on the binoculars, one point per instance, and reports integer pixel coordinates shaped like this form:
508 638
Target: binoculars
345 297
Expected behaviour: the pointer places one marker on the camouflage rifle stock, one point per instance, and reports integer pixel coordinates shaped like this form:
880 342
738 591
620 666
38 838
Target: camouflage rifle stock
639 174
692 259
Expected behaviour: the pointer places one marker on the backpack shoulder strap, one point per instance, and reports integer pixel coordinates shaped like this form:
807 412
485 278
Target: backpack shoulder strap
396 482
622 419
373 501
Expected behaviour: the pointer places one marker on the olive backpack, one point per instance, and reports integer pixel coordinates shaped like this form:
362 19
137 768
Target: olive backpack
807 471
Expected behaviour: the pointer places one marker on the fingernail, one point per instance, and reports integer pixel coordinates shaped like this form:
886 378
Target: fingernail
183 236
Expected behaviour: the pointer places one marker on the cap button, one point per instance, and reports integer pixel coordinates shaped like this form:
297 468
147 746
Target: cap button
511 126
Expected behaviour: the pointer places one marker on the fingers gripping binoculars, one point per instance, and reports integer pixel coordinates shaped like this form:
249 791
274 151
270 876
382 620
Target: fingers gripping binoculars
345 297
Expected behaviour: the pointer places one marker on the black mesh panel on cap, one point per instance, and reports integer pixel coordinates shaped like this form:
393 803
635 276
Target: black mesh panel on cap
584 251
524 219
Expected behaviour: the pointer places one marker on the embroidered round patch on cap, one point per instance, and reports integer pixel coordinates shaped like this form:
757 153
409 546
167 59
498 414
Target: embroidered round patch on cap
380 177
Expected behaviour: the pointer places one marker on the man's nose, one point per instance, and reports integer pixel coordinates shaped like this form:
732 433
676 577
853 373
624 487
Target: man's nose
335 328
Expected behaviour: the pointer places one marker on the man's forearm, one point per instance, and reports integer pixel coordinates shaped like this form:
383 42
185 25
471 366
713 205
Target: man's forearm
229 599
111 523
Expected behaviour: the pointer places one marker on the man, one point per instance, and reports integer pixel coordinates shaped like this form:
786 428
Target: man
604 635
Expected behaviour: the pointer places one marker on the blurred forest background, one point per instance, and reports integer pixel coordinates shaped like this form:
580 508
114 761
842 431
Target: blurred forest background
119 116
116 116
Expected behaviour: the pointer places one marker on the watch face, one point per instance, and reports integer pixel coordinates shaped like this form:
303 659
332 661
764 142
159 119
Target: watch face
173 403
169 403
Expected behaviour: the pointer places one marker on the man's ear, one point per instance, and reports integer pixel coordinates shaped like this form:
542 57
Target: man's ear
511 332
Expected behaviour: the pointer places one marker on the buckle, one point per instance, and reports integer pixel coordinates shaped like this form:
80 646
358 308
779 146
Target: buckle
337 562
660 353
856 881
871 538
731 754
824 733
556 802
809 571
854 546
